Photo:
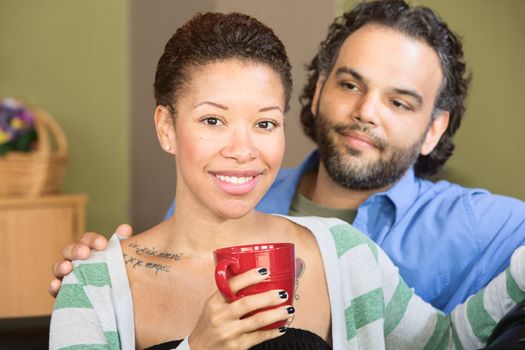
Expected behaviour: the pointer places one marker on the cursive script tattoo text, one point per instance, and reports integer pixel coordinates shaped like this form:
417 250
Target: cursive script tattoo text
139 250
137 262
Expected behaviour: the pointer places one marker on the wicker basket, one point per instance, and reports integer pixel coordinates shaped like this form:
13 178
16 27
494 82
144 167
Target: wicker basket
40 171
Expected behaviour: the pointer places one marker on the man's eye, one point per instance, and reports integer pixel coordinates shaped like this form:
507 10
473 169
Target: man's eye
349 86
400 105
266 124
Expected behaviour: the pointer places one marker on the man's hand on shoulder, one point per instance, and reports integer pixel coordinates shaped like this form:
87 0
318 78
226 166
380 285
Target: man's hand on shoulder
81 251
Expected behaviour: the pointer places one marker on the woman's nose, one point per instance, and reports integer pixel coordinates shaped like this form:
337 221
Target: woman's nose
240 146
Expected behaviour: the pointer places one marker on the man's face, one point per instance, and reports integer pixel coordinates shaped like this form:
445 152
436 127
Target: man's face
374 110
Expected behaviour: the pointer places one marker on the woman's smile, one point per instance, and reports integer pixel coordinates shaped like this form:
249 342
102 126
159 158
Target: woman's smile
239 184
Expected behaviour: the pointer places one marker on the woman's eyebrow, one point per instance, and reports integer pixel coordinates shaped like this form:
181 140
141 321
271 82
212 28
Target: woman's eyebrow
218 105
265 109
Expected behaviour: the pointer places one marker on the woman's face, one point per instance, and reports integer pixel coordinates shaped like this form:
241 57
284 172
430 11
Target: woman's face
228 136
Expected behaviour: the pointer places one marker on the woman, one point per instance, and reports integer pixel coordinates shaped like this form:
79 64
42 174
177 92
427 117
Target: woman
222 88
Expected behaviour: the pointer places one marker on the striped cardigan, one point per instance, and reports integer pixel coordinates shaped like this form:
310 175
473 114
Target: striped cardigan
371 305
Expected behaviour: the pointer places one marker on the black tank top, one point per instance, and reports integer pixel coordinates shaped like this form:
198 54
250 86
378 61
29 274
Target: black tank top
293 339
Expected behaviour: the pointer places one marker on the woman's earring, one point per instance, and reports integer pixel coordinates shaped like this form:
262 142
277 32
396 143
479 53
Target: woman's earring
167 147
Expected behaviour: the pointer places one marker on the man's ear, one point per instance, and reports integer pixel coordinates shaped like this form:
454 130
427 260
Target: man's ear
318 88
435 131
165 127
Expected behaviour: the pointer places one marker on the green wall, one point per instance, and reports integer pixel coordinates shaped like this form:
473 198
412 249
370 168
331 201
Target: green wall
71 58
490 146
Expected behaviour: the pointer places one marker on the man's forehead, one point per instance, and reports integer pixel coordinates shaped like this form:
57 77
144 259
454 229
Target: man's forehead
377 39
387 56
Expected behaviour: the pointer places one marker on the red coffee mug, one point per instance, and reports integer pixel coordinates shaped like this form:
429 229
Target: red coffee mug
279 258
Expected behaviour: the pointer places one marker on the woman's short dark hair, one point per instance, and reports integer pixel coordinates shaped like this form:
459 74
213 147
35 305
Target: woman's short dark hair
420 23
212 37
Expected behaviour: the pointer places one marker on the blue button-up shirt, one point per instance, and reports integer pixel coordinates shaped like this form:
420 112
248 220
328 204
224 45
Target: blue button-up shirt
448 241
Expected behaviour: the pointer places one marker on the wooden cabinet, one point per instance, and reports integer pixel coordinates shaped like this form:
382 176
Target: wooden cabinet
32 235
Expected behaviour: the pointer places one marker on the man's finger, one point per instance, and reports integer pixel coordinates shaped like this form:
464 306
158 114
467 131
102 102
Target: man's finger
54 287
94 240
73 251
124 231
62 268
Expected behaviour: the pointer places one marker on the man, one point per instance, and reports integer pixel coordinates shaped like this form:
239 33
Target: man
384 99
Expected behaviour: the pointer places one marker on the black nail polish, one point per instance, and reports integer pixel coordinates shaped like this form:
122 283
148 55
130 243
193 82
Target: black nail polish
263 271
283 294
290 310
282 329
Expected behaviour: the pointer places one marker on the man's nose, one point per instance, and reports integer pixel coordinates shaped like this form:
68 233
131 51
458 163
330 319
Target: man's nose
366 111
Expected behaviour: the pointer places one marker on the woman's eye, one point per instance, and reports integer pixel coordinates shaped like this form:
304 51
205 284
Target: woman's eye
266 124
212 121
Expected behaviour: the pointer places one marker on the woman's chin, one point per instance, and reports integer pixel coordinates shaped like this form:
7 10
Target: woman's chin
235 211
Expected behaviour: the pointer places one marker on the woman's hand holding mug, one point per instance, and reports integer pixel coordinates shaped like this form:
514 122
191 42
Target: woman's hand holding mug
222 325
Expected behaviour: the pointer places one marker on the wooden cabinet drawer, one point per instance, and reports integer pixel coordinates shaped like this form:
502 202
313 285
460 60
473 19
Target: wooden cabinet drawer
32 235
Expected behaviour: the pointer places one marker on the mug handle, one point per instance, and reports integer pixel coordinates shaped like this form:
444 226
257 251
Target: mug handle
222 280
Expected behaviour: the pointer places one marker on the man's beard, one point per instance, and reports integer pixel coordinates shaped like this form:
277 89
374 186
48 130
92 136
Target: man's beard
347 171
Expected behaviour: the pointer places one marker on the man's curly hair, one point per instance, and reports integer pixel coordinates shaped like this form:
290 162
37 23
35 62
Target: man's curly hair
420 23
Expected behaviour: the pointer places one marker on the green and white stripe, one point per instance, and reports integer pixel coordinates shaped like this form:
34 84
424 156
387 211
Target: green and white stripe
377 300
83 292
372 307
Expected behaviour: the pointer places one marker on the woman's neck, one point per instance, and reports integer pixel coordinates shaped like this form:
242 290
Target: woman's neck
199 233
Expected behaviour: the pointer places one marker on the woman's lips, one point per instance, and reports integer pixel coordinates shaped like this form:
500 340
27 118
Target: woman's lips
237 183
236 180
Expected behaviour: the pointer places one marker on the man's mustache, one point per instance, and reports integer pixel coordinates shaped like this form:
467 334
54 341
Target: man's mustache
380 143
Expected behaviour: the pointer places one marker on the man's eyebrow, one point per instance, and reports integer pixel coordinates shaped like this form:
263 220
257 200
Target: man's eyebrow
218 105
410 93
352 72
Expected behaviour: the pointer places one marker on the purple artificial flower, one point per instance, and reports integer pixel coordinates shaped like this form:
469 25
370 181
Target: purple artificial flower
17 130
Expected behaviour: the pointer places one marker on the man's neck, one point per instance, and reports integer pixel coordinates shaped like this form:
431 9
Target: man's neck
321 189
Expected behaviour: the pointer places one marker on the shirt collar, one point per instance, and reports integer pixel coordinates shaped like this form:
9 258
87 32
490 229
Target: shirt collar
402 195
404 192
279 197
310 162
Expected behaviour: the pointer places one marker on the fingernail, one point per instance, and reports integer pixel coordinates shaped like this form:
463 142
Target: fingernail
283 294
290 310
263 271
282 329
